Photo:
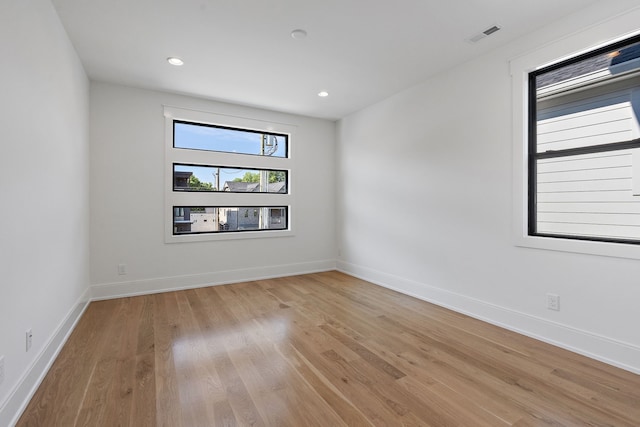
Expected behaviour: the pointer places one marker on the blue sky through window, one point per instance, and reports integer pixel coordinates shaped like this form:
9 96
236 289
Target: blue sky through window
199 137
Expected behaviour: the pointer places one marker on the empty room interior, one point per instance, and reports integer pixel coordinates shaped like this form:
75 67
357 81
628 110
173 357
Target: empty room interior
320 213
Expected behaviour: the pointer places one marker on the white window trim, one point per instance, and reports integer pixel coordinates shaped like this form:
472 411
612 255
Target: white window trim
615 29
176 198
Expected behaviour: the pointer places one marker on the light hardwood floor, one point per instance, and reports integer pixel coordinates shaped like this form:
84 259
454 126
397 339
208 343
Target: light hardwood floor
324 350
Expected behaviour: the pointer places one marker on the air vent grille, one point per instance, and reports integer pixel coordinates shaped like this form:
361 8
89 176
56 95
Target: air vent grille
476 38
491 30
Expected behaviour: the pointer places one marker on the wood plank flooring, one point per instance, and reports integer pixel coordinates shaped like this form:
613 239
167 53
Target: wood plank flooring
321 349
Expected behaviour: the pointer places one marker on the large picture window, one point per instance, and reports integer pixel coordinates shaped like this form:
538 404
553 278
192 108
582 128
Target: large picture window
584 146
226 177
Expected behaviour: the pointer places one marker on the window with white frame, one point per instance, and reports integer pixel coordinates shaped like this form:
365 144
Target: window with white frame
227 177
584 146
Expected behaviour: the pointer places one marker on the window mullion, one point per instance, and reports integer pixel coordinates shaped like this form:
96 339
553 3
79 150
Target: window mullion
615 146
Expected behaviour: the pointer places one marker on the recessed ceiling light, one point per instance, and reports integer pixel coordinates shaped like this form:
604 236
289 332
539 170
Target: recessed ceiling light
323 94
298 34
175 61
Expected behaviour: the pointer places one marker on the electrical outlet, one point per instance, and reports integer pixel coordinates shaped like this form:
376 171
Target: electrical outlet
29 339
553 302
1 369
122 269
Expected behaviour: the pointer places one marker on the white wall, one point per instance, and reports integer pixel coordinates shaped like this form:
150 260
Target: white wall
425 207
128 207
44 188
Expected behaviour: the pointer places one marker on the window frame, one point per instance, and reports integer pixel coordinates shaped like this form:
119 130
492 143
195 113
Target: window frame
534 155
255 210
603 34
210 125
188 190
178 198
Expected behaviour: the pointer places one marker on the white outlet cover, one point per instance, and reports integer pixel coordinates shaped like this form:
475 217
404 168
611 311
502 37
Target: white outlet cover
122 269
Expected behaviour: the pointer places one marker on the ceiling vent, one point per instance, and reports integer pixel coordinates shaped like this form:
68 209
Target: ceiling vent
485 33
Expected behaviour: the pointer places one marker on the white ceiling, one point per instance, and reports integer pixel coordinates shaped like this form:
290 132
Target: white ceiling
241 51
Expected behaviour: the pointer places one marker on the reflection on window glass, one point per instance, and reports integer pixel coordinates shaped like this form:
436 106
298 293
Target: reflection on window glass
589 102
229 140
216 219
235 180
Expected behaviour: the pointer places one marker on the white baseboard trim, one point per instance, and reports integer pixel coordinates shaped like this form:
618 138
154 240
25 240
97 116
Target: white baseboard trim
21 394
176 283
613 352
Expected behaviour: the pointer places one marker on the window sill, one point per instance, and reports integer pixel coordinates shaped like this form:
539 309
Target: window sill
618 250
209 237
